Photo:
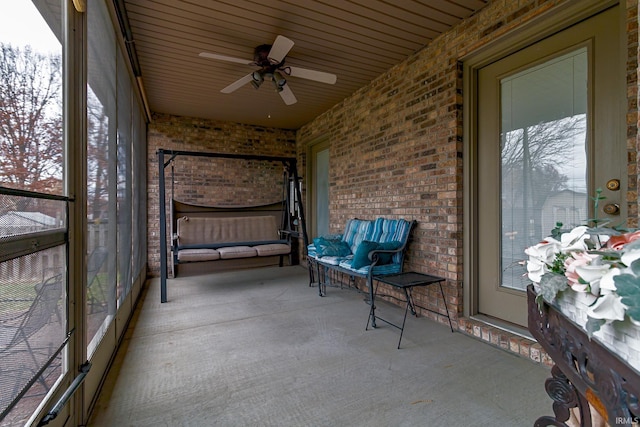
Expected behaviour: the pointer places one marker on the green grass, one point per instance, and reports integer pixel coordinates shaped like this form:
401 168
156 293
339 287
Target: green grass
16 297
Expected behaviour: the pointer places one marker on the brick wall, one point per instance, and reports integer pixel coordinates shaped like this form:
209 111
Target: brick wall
396 146
209 181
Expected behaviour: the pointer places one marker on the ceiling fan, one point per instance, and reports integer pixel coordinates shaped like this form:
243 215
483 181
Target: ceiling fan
270 59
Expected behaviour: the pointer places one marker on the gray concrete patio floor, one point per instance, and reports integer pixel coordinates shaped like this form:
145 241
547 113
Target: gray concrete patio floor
261 348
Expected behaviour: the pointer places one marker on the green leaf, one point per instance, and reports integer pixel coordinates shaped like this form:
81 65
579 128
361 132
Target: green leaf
622 228
635 267
634 313
605 231
551 284
540 302
628 287
632 245
558 231
593 325
608 255
625 283
558 263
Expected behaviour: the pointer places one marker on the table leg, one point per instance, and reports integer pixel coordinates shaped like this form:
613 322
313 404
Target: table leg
372 310
406 309
320 280
408 295
445 306
310 268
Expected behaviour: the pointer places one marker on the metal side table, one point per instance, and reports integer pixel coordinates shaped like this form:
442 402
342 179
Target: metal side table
406 281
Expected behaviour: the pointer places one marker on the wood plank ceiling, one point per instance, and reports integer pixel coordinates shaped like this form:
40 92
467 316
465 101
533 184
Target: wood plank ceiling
357 40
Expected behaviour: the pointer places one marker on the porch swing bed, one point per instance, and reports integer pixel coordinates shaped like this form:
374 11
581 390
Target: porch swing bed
208 239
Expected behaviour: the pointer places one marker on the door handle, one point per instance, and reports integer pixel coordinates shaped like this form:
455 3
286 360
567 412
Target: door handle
613 185
611 209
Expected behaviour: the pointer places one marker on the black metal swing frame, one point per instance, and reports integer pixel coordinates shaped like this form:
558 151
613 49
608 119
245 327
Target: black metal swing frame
165 158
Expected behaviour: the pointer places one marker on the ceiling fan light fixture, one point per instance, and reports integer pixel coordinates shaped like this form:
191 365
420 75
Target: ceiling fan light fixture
278 79
256 79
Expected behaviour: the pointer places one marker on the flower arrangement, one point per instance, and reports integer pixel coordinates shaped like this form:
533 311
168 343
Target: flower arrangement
602 262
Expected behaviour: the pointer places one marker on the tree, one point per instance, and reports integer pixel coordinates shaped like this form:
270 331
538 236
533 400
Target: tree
97 158
31 138
533 162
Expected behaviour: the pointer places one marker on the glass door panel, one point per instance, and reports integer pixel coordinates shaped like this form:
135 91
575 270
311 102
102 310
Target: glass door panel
543 156
550 131
319 200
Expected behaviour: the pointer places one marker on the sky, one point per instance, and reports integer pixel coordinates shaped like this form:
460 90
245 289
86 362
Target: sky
21 25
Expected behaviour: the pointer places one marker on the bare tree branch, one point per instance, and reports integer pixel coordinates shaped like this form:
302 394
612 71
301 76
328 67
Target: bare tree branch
31 141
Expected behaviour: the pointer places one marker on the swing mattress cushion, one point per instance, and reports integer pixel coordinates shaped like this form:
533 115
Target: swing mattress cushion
232 252
230 237
273 249
195 255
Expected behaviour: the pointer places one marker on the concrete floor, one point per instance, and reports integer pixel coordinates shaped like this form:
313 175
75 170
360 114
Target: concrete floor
261 348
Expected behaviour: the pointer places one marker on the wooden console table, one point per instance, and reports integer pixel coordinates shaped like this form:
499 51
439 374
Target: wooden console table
585 372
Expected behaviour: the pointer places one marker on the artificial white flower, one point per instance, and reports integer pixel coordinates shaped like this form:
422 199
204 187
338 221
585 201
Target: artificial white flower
607 283
575 260
587 271
536 269
544 251
540 256
608 307
575 239
592 274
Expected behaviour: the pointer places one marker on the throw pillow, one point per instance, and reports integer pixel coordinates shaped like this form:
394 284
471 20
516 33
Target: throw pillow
388 246
361 257
331 247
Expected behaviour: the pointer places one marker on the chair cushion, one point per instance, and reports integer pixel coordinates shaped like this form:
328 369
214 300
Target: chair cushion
335 260
361 257
356 231
388 246
391 230
331 247
311 251
378 270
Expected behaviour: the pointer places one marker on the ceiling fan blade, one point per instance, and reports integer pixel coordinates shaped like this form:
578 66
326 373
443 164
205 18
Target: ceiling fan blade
318 76
225 58
238 84
287 95
279 49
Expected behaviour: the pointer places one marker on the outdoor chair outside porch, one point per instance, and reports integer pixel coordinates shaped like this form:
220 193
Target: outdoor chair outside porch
23 350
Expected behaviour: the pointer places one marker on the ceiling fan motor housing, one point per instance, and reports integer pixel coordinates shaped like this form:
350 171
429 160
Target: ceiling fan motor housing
261 57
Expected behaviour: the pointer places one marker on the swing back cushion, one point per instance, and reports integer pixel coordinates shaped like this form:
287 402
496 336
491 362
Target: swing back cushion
212 238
